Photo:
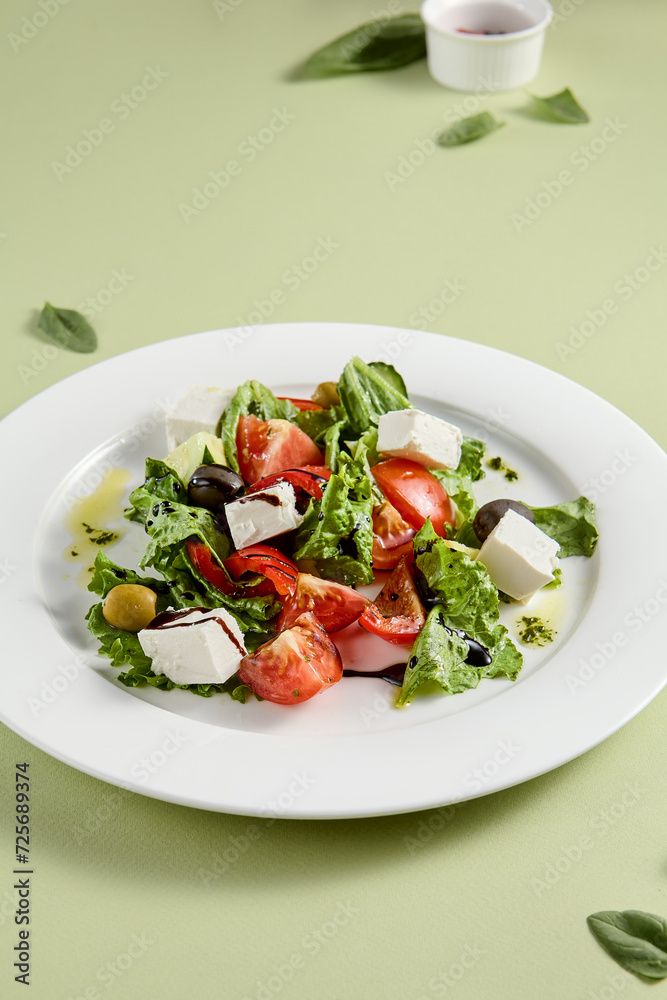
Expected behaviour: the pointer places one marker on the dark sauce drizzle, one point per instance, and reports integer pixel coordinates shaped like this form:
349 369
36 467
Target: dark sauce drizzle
478 656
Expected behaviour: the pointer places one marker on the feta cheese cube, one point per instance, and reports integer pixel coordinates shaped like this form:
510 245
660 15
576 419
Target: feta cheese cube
420 437
519 556
257 516
194 646
198 409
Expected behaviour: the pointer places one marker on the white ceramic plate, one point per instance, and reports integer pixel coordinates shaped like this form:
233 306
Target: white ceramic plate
347 752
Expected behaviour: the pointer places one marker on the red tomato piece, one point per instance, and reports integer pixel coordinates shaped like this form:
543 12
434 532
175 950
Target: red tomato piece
302 404
392 537
268 446
266 561
296 665
334 604
310 479
396 614
415 493
203 560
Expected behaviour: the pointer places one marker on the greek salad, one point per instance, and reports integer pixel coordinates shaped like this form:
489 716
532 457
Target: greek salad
270 515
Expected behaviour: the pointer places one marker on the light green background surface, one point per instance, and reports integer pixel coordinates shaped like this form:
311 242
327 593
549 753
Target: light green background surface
485 900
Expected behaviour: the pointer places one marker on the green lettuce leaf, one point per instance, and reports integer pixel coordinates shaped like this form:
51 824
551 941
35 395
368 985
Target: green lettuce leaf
368 391
108 574
316 423
459 485
251 398
336 536
468 600
161 483
438 661
572 524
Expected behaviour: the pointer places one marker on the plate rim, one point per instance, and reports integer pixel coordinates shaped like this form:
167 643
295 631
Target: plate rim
171 784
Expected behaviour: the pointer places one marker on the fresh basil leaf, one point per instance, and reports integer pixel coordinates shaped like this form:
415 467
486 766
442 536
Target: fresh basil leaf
336 536
366 393
469 129
251 398
124 649
635 939
562 107
68 329
376 45
571 524
438 660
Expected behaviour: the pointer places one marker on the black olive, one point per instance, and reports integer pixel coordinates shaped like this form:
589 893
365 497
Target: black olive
212 486
487 517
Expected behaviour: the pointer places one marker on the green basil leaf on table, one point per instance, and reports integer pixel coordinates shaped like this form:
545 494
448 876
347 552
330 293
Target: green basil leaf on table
562 107
68 329
635 939
469 129
376 45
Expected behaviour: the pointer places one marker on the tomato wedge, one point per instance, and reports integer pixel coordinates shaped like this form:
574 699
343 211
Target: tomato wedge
415 493
296 665
335 605
392 537
302 404
396 614
268 446
268 562
310 479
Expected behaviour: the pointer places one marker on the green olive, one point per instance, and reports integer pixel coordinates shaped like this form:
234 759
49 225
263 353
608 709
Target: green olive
129 606
326 395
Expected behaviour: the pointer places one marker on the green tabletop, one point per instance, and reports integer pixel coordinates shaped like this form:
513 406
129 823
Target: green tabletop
163 173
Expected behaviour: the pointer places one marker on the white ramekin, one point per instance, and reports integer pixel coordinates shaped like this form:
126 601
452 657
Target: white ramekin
465 61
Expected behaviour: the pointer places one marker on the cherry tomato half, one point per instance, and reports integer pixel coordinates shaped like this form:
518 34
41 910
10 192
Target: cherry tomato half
268 446
268 562
334 604
396 614
415 493
392 537
274 571
296 665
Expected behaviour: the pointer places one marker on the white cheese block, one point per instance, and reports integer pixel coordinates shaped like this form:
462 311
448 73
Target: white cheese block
201 647
519 556
420 437
198 409
257 516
